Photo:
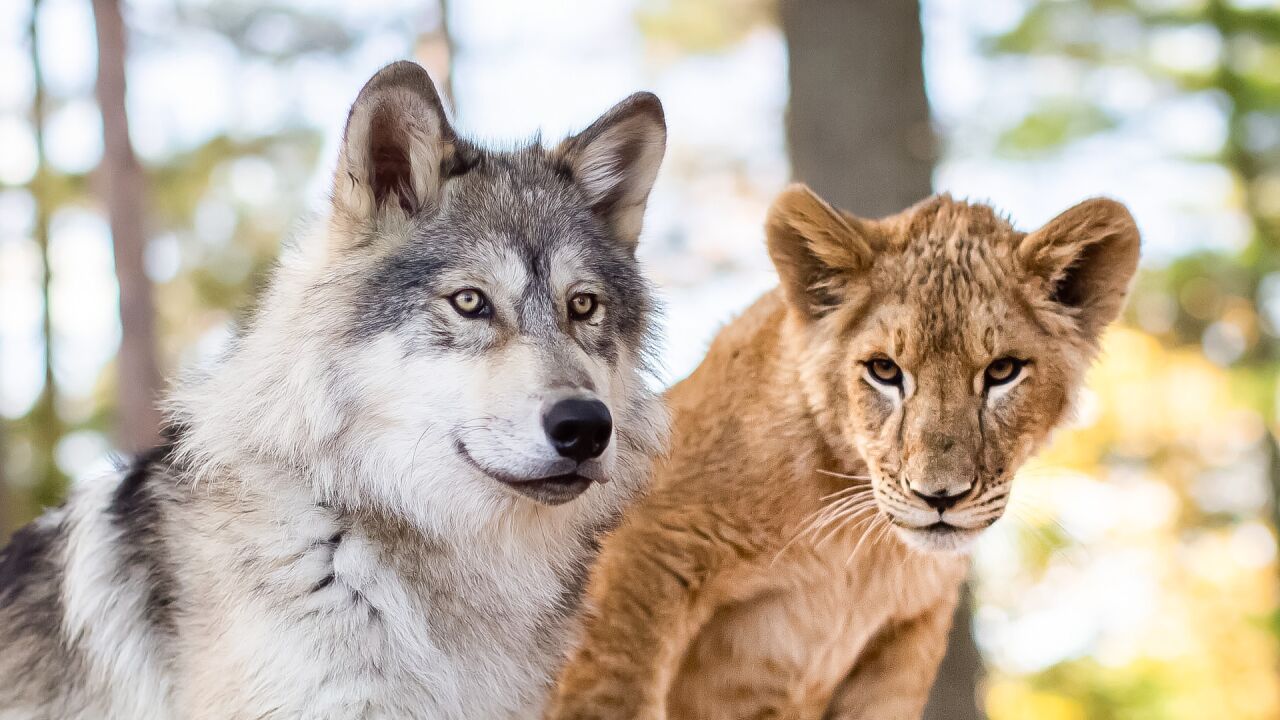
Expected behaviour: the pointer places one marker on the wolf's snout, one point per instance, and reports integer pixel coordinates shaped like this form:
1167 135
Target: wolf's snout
578 428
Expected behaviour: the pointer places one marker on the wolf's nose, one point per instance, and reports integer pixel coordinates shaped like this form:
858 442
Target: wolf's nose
940 501
579 429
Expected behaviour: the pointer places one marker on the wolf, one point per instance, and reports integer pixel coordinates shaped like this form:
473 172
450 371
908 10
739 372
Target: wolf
382 500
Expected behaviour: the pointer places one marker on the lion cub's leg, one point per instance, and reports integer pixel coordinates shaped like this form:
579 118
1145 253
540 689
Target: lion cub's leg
647 600
891 680
715 683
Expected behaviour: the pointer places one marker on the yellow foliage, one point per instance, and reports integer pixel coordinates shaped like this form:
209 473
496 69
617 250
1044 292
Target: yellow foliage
1011 700
1143 397
1154 426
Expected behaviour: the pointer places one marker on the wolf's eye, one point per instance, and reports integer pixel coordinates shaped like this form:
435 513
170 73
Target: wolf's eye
885 371
1002 371
471 303
582 306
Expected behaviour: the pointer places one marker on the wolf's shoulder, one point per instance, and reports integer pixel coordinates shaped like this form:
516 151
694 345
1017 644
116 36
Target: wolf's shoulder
29 552
96 588
121 510
137 505
31 613
29 573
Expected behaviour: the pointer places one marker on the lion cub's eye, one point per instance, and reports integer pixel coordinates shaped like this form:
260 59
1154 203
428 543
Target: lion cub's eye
1004 370
884 371
582 306
471 303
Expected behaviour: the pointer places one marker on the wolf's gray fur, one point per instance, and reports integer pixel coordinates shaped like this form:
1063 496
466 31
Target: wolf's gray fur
351 519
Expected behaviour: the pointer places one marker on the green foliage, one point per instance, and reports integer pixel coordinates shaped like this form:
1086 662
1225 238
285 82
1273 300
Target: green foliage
1140 691
1052 126
1245 72
1211 303
271 31
701 26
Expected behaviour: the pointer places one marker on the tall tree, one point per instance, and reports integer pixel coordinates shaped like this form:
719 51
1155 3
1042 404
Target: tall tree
436 49
6 498
122 184
49 483
859 133
858 125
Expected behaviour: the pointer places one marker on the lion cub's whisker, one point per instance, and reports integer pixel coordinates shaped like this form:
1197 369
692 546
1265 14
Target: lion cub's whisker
851 490
877 524
838 523
840 500
812 524
847 477
834 513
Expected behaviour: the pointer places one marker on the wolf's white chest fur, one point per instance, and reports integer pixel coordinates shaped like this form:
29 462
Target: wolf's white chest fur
331 622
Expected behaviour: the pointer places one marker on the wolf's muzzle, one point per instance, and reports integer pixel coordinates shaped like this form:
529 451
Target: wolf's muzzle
579 428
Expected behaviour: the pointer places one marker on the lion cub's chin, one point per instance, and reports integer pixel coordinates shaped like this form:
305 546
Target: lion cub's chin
938 538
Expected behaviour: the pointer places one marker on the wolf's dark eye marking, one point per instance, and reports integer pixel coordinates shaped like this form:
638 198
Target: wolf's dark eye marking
582 306
471 303
884 371
1003 371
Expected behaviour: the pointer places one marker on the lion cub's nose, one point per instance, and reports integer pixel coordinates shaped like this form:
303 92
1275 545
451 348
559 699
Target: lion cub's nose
579 429
941 500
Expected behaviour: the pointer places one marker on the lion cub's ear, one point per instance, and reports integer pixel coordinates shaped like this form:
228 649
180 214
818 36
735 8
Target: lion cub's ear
1086 257
815 248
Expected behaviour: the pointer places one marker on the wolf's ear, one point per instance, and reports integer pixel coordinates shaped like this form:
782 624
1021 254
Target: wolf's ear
616 160
396 146
1086 257
815 248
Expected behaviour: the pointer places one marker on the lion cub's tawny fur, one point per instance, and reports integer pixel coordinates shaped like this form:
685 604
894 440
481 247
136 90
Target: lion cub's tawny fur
843 441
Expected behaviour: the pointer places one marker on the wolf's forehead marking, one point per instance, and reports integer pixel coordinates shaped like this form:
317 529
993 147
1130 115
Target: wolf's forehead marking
537 311
551 274
508 271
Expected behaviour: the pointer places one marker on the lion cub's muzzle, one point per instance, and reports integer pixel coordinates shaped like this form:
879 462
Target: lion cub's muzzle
943 499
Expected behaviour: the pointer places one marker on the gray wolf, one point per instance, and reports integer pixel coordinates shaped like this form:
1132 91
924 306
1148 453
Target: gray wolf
381 502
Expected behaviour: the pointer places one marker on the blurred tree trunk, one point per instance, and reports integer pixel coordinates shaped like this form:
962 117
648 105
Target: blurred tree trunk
120 180
436 50
6 499
955 692
858 124
859 133
49 485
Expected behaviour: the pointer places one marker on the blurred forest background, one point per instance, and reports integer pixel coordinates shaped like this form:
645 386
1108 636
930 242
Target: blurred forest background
1136 575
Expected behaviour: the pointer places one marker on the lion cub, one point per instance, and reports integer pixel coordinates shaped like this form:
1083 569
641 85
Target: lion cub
841 445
